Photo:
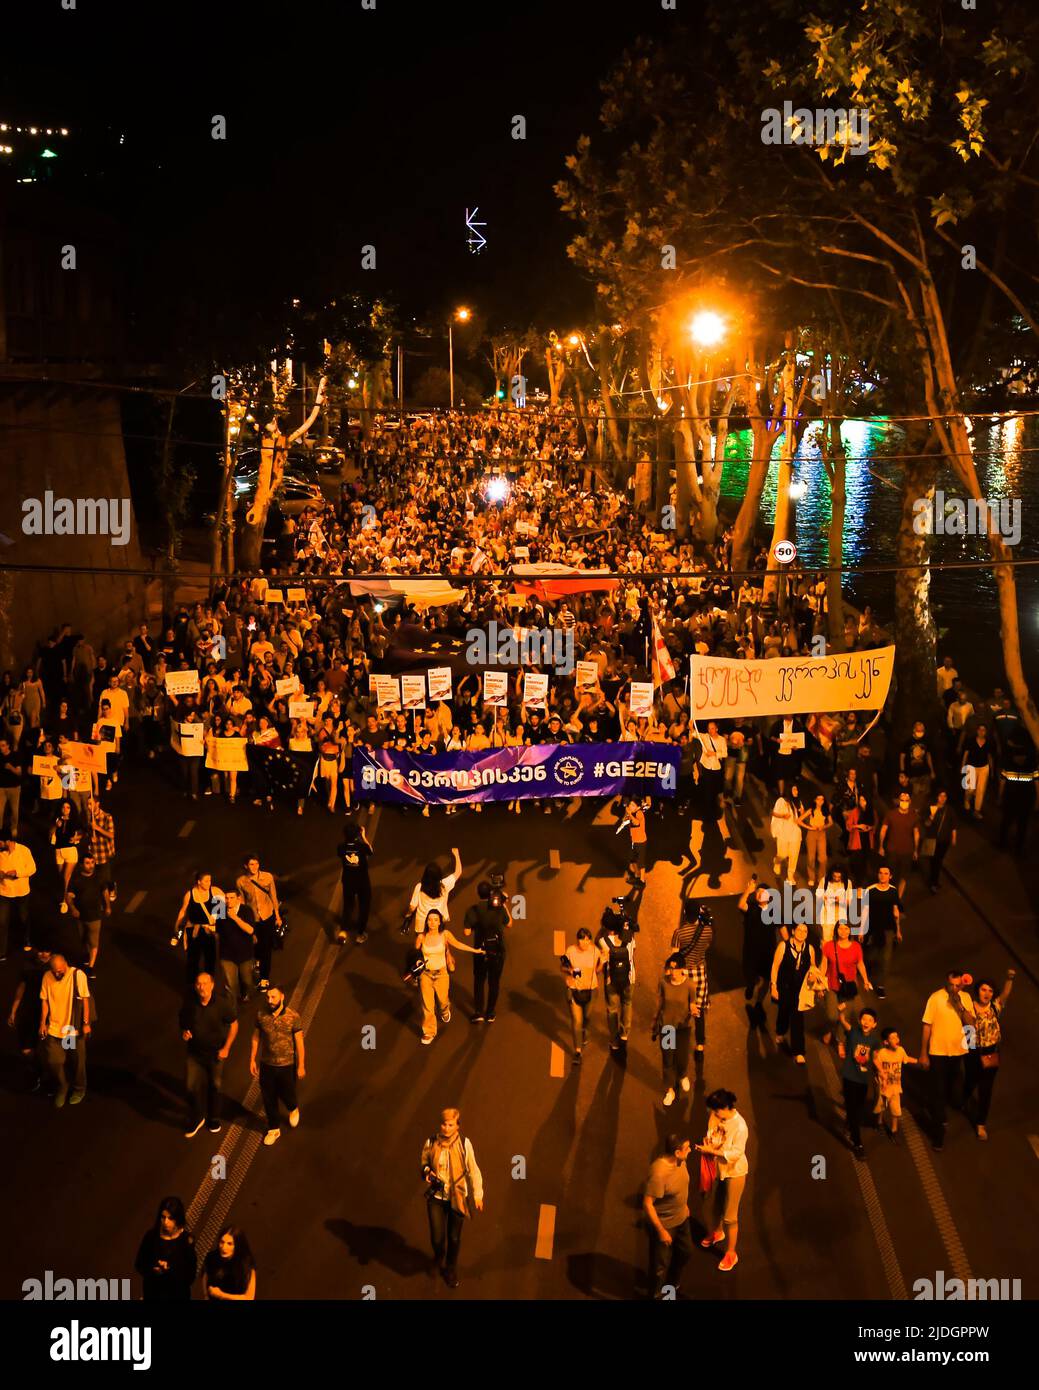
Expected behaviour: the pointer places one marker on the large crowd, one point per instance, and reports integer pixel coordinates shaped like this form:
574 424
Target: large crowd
467 498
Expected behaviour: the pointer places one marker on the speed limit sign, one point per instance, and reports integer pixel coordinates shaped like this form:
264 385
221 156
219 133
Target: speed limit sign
784 552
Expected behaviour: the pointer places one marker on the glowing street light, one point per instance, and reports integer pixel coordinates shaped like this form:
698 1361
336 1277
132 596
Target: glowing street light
574 339
463 315
707 328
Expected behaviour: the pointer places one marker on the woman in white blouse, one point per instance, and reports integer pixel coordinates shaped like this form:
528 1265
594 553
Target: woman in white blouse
787 832
432 891
726 1143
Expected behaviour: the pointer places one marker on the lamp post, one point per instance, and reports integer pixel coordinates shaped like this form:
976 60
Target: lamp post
463 316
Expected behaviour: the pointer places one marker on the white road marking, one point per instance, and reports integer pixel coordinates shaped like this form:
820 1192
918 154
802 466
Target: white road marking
186 829
553 858
556 1061
546 1233
558 943
136 900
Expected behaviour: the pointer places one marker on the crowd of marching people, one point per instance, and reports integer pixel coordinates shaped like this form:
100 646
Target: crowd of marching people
262 693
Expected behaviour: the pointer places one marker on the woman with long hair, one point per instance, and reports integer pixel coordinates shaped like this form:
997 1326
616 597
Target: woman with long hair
435 980
983 1059
196 925
166 1258
229 1271
725 1146
843 961
432 891
815 821
786 831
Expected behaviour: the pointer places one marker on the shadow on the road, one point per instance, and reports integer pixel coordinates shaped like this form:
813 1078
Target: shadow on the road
381 1246
601 1276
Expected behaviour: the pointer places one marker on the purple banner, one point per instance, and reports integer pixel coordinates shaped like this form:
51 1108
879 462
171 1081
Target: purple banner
510 774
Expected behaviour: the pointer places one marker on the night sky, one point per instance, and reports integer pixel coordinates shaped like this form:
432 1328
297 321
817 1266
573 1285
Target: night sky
345 127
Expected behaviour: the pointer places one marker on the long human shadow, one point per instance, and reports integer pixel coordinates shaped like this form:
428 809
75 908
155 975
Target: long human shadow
378 1245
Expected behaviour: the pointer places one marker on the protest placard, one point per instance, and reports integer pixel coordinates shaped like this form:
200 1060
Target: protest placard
274 596
587 674
92 757
496 688
535 689
227 755
181 683
413 691
721 687
301 709
286 685
641 699
387 690
188 739
296 595
438 678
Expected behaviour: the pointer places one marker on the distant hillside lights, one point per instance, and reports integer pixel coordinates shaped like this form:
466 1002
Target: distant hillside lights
80 516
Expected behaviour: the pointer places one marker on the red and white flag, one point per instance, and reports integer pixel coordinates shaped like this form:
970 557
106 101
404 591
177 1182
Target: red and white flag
480 560
663 666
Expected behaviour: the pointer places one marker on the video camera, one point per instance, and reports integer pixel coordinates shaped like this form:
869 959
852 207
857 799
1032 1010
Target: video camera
619 913
437 1186
493 890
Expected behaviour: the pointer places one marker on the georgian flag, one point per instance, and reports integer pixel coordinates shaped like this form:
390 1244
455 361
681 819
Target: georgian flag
480 560
663 666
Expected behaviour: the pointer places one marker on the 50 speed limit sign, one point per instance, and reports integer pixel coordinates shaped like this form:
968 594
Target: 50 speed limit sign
784 552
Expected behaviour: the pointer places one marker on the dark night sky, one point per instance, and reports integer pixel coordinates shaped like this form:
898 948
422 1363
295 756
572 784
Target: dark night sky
344 127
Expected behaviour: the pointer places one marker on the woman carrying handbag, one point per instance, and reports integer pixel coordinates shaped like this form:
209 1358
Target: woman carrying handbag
983 1059
793 960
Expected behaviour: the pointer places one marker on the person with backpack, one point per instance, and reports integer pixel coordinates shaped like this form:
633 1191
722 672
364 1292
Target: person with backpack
65 1020
487 922
454 1190
354 853
616 943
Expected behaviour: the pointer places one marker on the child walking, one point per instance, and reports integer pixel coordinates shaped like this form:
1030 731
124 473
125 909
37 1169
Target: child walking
888 1060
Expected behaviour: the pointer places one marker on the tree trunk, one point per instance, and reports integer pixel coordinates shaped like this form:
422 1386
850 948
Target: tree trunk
685 464
216 538
836 468
764 438
916 692
605 391
782 525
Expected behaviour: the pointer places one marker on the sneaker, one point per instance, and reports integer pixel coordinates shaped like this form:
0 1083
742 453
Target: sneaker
214 1126
982 1132
271 1137
362 937
341 938
60 1099
477 1018
669 1096
858 1151
294 1118
729 1261
685 1083
892 1134
190 1133
426 1042
489 1018
712 1238
799 1060
446 1016
880 992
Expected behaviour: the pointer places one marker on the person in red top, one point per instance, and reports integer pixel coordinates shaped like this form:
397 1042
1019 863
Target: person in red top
844 965
900 840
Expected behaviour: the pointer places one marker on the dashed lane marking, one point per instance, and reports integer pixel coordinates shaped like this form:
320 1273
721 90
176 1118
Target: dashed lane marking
874 1210
546 1233
556 1061
136 900
954 1250
558 943
186 829
553 858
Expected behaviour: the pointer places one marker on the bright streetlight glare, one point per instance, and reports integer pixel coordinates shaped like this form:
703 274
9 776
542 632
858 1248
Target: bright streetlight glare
707 328
573 340
462 315
497 489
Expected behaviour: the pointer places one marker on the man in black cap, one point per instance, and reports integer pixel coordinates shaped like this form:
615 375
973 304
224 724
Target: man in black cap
692 940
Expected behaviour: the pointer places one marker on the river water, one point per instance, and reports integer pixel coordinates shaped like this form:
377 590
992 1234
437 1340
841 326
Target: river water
964 601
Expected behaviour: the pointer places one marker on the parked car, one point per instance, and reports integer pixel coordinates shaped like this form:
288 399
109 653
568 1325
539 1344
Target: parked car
297 463
292 495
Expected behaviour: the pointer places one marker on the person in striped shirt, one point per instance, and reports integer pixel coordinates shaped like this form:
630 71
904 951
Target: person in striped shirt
693 938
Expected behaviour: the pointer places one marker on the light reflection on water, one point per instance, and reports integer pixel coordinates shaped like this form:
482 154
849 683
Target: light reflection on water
965 601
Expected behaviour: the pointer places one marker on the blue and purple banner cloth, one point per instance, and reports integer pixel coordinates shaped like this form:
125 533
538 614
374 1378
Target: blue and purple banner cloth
510 774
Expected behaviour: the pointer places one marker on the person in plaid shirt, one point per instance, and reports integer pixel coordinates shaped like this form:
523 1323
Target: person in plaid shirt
102 834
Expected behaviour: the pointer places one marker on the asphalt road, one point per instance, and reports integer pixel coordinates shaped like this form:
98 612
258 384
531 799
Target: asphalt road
334 1209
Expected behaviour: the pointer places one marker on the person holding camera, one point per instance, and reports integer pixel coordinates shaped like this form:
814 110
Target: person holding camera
616 943
454 1190
581 966
725 1148
354 853
693 938
487 922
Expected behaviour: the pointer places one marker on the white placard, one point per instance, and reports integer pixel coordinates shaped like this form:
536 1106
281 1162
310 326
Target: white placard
438 678
301 709
189 740
413 691
287 685
296 595
181 682
587 673
387 690
788 742
274 596
496 688
641 699
535 690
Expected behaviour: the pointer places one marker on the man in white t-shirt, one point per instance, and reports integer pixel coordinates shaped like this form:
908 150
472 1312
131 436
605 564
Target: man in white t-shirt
64 994
946 1017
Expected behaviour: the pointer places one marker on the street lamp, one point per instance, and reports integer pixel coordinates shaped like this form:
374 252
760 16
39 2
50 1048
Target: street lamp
463 315
707 328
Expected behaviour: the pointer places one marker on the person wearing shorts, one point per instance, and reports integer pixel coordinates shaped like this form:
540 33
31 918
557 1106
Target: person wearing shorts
637 829
888 1060
725 1142
65 837
87 897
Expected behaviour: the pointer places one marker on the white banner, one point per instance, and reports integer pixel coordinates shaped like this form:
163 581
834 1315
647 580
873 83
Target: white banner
181 682
413 691
641 699
535 690
721 688
286 685
496 688
439 680
188 739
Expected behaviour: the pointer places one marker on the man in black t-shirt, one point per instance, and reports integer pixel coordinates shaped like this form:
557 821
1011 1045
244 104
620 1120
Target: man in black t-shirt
882 923
354 853
616 943
87 898
25 1012
209 1025
487 921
